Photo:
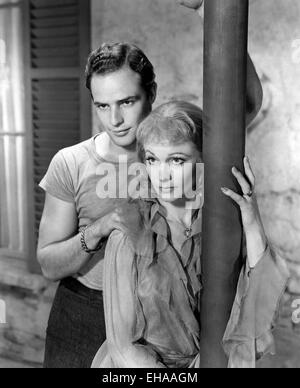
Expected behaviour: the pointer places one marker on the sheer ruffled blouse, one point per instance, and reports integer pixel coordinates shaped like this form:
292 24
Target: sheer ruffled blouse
152 300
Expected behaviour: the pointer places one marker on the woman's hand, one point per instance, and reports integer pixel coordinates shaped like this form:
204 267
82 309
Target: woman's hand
247 202
253 227
193 4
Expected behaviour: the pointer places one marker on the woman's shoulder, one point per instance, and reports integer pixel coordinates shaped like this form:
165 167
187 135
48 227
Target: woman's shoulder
135 233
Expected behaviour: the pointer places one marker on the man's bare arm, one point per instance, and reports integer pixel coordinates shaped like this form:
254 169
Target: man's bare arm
254 93
60 253
254 87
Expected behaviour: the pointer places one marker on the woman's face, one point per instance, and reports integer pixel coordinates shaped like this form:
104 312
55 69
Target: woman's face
175 171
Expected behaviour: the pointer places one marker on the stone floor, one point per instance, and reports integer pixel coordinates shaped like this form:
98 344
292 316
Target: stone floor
287 341
287 345
8 364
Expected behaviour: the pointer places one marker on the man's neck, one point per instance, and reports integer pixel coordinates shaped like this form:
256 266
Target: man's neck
107 149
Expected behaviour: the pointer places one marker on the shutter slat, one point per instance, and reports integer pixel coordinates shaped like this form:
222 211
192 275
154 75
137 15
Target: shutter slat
39 209
55 106
55 22
55 85
55 52
54 62
59 114
64 41
62 115
45 154
54 12
39 198
48 134
58 96
52 3
66 126
39 170
54 32
52 143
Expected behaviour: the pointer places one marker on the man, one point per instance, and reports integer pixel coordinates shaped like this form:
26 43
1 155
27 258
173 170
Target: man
75 221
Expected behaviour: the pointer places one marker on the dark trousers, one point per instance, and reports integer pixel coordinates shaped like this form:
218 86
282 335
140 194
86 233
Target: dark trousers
76 328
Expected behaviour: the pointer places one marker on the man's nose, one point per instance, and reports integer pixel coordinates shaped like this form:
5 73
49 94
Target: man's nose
116 117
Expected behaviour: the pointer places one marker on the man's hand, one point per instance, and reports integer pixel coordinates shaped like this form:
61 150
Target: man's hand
126 218
193 4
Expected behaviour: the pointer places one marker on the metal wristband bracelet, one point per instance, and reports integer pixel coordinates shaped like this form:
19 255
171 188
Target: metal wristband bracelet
84 245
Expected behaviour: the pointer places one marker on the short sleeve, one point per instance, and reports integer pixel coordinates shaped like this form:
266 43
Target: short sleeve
58 181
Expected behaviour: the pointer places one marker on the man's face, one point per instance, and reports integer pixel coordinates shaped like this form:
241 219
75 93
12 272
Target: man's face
121 103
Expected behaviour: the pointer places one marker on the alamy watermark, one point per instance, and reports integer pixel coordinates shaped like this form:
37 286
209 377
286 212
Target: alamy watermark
2 312
296 311
162 180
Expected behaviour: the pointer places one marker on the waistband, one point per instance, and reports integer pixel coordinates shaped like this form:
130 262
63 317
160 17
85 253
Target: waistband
78 288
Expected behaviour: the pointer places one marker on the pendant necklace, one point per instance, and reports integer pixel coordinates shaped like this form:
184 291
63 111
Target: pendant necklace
188 232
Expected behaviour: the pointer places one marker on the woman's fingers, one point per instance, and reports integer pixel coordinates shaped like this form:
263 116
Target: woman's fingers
231 194
243 182
249 172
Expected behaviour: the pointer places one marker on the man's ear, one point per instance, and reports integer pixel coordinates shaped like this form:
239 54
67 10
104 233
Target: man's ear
153 93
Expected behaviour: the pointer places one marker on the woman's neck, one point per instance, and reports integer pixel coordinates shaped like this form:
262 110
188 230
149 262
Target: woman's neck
179 211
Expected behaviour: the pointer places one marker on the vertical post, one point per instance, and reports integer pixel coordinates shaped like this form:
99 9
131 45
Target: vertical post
225 75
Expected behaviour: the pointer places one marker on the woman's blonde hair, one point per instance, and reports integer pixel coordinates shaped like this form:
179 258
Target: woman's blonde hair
174 122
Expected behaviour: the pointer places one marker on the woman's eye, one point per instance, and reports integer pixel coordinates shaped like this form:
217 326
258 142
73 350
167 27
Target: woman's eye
150 161
178 161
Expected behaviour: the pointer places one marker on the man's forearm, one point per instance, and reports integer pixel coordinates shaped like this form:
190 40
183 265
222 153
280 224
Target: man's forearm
254 97
63 259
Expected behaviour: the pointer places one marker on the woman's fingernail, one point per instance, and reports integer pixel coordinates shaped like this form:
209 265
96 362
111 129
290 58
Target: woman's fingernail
224 189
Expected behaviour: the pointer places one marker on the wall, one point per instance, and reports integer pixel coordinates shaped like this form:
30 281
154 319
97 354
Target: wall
274 146
172 36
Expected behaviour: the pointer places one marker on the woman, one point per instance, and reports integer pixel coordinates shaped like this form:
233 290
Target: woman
153 276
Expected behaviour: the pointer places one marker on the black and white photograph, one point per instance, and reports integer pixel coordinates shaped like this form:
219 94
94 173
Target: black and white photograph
149 187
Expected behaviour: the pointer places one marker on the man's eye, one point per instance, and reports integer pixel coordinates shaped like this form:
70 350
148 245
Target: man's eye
128 103
103 107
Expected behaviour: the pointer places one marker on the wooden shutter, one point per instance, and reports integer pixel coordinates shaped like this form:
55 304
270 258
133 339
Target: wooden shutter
58 105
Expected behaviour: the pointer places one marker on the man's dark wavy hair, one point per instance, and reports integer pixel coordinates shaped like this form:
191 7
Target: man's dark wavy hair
113 57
